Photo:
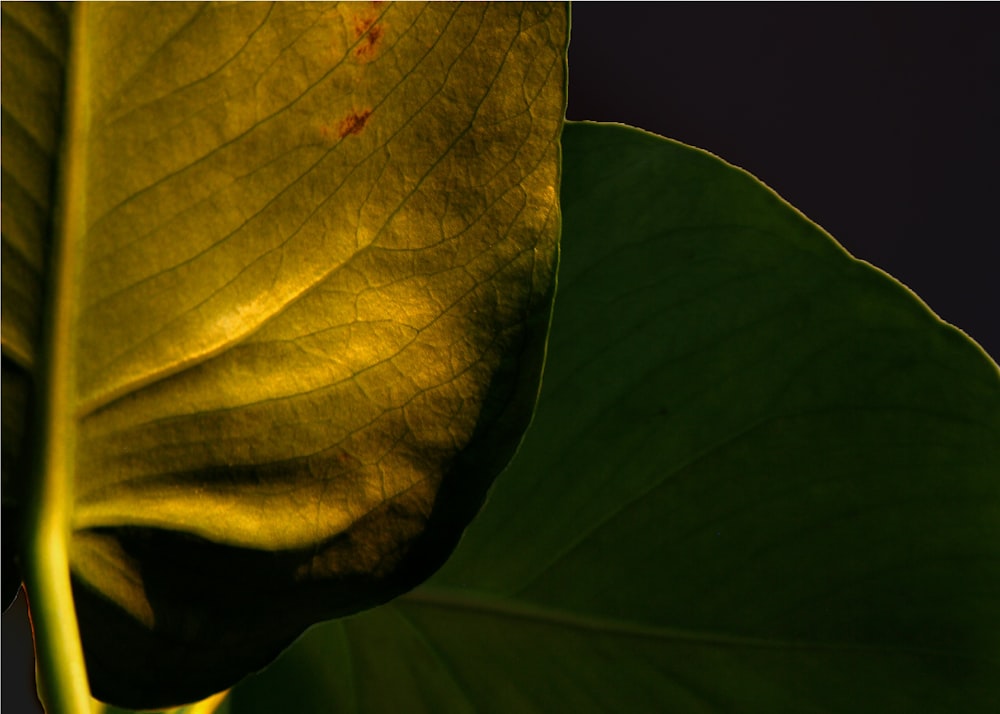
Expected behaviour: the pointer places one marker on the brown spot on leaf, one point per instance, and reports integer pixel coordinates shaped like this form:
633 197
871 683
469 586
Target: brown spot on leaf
369 32
361 25
353 123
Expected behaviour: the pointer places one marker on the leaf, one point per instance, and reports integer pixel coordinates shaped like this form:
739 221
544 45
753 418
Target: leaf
309 259
762 477
215 704
34 43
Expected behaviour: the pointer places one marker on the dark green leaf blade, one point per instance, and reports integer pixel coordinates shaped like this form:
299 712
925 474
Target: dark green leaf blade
762 477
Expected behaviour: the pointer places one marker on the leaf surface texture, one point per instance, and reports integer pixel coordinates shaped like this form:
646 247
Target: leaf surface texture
762 477
315 250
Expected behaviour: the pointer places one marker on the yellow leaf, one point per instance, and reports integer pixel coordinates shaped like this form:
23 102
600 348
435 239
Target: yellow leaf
312 255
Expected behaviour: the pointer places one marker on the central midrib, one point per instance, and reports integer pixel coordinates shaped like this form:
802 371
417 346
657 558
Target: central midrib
50 499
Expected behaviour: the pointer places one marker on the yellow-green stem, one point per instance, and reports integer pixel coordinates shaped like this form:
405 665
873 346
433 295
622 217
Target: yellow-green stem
206 706
62 676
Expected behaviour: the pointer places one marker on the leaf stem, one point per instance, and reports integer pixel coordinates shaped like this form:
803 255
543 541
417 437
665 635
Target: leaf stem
209 705
62 675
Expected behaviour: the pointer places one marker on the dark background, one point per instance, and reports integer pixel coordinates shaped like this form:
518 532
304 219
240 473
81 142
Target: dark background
879 122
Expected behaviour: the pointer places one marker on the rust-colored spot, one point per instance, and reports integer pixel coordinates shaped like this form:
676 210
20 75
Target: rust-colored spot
369 46
361 25
346 460
369 32
353 123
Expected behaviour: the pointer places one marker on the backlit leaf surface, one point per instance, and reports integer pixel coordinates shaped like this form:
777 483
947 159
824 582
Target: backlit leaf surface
762 477
314 253
34 59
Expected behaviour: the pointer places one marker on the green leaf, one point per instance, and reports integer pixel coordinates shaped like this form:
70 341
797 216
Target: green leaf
298 314
762 477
